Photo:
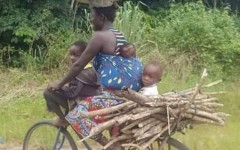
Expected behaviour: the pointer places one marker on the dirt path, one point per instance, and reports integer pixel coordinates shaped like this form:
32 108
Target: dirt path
18 146
10 146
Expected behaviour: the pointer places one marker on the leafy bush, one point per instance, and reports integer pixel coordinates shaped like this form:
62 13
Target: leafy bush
33 34
209 36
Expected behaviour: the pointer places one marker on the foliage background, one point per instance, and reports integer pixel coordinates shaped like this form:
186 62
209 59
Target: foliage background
35 34
186 35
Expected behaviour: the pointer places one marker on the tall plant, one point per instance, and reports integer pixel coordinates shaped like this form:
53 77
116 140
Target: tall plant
130 20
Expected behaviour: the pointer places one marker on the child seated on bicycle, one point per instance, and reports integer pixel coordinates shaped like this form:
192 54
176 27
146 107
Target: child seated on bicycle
84 85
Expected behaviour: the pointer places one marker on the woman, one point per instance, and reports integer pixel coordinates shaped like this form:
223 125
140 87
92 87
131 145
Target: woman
114 71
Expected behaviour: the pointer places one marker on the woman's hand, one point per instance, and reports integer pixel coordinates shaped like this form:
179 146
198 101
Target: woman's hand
55 86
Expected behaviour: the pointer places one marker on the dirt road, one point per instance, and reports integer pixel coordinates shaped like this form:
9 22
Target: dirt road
18 146
10 146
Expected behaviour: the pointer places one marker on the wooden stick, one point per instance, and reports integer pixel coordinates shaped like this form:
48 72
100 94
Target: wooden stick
215 93
72 4
135 97
168 120
212 84
110 116
202 108
202 96
160 98
197 89
213 105
153 131
172 113
206 100
196 119
106 110
142 141
127 132
191 90
145 122
204 114
204 86
204 75
178 102
147 113
131 145
140 131
161 117
119 138
132 124
140 109
143 147
221 114
121 119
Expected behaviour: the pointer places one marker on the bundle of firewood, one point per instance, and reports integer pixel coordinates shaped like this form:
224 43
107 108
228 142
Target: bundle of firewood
144 119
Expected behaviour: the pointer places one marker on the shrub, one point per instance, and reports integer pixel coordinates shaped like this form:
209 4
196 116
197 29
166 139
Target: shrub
35 34
207 35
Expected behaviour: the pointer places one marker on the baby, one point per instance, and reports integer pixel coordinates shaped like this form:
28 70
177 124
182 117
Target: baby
151 75
127 50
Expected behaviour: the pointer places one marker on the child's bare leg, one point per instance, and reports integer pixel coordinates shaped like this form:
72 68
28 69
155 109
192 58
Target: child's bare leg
54 100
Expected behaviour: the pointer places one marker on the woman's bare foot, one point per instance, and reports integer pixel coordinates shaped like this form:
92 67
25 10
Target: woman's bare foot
61 123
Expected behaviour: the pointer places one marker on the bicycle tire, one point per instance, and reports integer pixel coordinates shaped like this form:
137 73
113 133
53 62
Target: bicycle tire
176 144
65 135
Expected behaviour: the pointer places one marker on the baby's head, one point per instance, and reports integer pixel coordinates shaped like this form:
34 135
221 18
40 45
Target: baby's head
152 73
76 49
127 50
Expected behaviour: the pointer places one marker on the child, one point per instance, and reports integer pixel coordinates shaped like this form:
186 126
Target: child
85 84
151 75
127 50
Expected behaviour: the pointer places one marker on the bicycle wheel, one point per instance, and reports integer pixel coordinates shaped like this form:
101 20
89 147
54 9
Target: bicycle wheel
44 135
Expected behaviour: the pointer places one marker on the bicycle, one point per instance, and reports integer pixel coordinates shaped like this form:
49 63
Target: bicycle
62 139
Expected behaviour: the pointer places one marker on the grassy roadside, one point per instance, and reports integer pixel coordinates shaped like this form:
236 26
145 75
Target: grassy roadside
21 102
22 108
211 137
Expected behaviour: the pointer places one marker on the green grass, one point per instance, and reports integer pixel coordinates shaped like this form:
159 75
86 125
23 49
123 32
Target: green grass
210 137
17 116
22 110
